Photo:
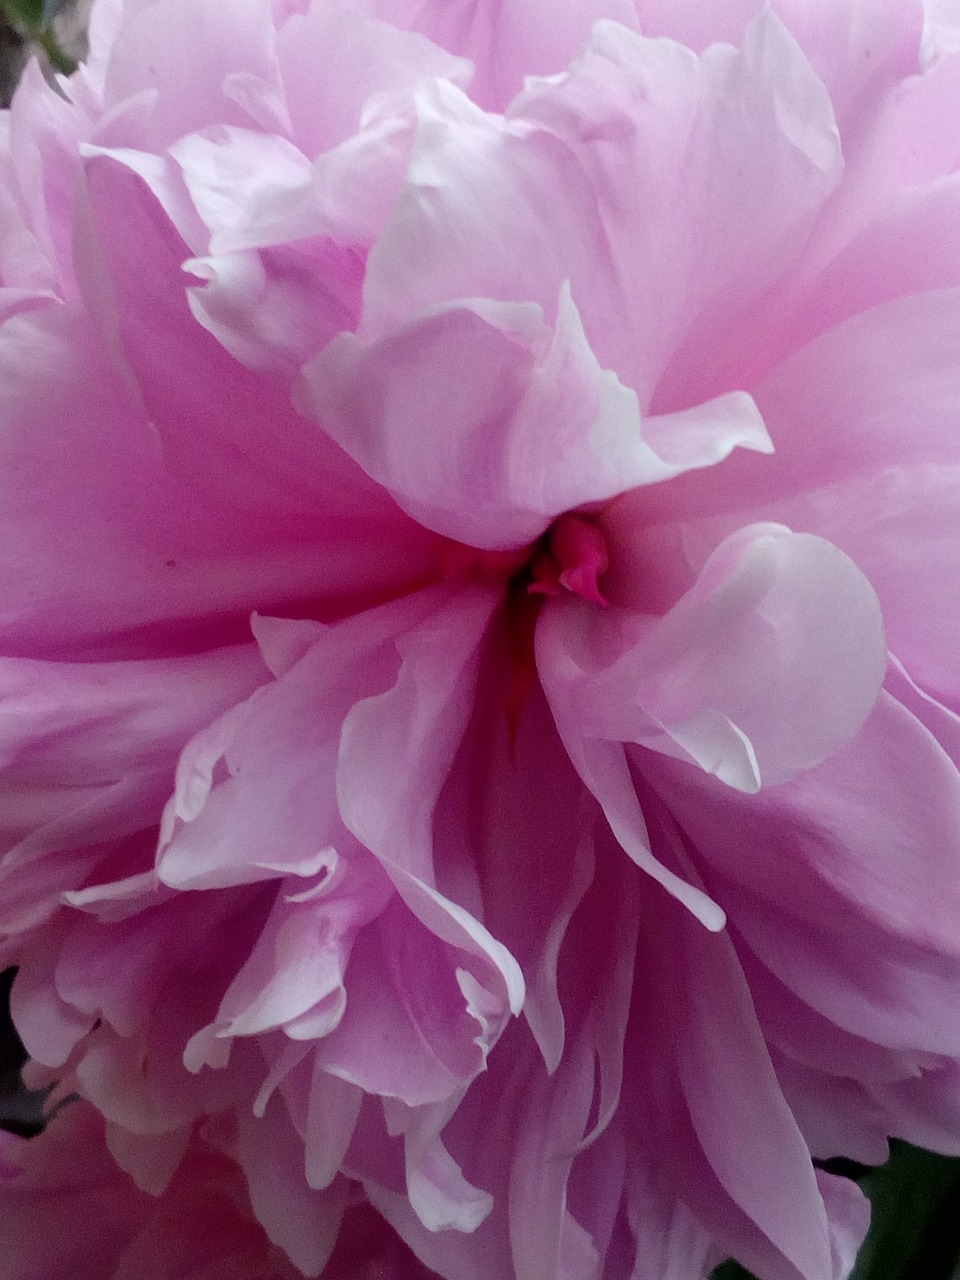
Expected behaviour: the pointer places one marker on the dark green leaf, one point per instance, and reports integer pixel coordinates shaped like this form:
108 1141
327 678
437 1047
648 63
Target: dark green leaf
730 1271
916 1217
23 13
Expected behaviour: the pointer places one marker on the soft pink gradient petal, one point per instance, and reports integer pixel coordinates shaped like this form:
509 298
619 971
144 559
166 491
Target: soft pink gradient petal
861 49
536 426
43 163
214 429
848 1217
505 41
745 1204
582 181
198 55
422 713
481 422
726 678
93 753
333 59
294 977
941 30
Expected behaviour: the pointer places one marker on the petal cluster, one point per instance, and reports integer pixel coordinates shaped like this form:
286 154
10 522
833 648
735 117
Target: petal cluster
478 588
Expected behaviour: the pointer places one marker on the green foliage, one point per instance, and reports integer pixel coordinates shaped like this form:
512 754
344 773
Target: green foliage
32 20
915 1228
730 1271
916 1217
23 13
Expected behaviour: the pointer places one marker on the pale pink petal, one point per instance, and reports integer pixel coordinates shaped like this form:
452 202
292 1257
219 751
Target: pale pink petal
584 184
505 41
24 267
728 676
468 392
536 427
147 554
247 191
898 999
333 59
303 1222
812 857
434 1046
218 401
187 49
913 237
91 756
277 309
439 1194
697 25
294 977
281 745
775 1225
422 714
284 243
848 1217
905 546
861 49
877 391
236 178
941 30
43 141
14 302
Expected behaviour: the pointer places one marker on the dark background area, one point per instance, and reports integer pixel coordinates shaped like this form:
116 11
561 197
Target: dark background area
20 1112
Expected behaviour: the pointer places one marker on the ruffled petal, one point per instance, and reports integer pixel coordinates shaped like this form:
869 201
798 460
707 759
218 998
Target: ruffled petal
583 181
505 42
765 667
191 52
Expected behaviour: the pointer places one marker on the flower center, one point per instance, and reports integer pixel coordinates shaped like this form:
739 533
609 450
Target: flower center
571 557
574 559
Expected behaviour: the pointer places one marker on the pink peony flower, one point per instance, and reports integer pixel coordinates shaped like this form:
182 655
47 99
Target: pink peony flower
479 586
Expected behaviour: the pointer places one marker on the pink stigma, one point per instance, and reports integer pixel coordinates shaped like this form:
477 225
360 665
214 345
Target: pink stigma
575 558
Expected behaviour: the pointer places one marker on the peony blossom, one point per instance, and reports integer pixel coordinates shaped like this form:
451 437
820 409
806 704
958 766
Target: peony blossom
479 577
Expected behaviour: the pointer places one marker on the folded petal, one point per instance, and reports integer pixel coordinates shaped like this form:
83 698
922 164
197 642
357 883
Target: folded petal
767 665
187 51
333 59
584 180
505 42
699 1106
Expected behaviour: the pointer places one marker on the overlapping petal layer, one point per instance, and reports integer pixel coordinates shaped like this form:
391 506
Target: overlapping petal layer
480 704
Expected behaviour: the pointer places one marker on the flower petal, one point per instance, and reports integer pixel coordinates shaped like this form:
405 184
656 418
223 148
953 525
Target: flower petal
765 667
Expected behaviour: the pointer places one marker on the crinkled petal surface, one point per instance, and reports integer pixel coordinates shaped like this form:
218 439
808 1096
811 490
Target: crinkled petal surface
479 516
